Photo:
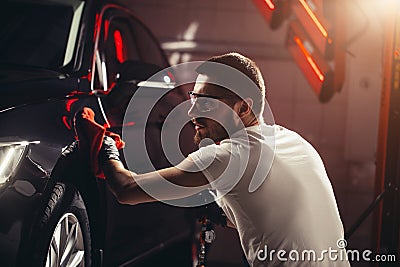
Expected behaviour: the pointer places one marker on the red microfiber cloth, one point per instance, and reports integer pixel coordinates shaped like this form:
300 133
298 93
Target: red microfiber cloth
90 135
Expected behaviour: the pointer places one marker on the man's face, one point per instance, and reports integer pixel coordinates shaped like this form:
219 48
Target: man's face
212 116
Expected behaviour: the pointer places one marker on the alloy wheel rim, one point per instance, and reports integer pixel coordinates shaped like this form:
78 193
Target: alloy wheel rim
66 248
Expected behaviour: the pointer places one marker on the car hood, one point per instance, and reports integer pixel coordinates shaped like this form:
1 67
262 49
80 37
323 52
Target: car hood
14 73
29 85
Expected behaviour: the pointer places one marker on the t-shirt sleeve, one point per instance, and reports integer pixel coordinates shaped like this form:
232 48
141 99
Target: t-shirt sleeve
204 158
219 164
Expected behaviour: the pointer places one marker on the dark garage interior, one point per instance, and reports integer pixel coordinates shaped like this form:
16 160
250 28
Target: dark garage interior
344 130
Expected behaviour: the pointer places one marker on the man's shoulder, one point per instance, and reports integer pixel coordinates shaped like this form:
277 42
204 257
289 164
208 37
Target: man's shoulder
280 130
209 151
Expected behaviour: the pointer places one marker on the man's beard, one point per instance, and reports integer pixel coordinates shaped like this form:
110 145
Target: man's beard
213 131
197 138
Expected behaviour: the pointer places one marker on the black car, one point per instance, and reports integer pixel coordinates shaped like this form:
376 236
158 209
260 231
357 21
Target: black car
56 57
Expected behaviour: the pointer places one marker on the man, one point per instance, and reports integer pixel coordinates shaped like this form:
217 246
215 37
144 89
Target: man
270 182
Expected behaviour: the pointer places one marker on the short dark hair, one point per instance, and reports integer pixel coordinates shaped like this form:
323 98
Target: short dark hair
253 88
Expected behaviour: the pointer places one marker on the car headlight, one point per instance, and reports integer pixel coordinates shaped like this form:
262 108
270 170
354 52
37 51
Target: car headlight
11 154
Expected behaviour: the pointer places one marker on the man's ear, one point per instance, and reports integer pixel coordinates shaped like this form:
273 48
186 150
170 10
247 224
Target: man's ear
246 107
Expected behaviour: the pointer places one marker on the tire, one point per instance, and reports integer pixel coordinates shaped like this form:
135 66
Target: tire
64 238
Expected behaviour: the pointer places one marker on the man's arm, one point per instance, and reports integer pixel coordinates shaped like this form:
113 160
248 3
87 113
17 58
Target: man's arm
124 184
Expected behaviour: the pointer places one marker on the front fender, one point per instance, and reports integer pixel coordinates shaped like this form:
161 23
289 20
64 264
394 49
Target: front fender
73 168
21 201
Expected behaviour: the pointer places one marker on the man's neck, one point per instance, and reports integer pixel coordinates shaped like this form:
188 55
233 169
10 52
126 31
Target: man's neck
251 122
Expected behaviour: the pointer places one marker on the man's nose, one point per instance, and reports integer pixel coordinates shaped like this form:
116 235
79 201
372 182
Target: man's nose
193 111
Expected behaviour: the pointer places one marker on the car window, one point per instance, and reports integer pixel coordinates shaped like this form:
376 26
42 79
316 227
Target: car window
146 45
123 38
37 33
119 45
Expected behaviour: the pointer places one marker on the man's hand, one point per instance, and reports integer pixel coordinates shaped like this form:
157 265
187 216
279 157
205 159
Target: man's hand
73 166
119 180
108 151
70 149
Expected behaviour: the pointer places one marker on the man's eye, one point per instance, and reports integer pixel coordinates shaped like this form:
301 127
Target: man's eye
212 103
203 101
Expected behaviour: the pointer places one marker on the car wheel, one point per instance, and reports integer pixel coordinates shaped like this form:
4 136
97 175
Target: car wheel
65 233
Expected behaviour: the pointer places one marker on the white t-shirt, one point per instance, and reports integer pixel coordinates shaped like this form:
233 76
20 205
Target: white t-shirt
272 185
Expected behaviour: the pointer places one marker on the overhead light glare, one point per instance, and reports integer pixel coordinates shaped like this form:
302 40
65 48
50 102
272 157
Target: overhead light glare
309 59
314 18
270 4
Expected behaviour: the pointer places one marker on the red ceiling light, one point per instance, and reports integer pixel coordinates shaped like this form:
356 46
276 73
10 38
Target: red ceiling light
315 68
314 18
310 15
274 11
310 60
270 4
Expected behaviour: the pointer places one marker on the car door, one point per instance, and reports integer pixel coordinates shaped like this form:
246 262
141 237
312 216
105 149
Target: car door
125 50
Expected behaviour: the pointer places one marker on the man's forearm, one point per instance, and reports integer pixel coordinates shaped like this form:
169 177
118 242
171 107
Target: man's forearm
122 184
166 184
